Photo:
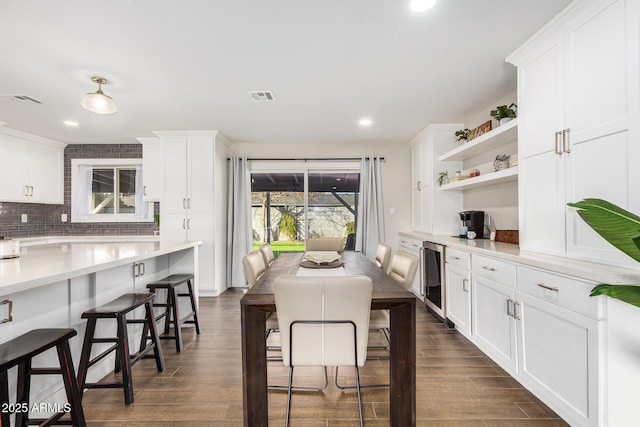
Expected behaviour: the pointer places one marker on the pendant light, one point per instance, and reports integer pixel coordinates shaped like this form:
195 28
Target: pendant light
98 102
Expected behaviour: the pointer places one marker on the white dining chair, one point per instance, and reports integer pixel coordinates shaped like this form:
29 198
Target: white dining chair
383 256
324 321
267 254
253 266
324 244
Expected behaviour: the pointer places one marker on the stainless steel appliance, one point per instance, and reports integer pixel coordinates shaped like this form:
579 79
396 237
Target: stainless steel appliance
434 278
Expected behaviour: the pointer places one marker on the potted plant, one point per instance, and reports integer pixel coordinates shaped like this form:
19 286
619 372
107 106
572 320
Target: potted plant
622 230
462 135
443 178
503 114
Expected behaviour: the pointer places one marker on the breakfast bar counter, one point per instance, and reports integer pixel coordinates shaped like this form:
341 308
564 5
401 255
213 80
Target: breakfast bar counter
54 281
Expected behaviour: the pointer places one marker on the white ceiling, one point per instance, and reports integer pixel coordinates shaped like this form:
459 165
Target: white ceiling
188 64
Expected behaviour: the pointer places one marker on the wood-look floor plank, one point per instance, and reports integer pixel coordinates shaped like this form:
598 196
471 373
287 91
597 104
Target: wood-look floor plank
457 385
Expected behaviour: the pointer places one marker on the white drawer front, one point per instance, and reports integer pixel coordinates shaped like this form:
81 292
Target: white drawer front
564 291
410 245
458 258
499 271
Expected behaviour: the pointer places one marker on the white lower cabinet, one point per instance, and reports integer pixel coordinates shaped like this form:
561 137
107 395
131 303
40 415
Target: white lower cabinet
458 279
414 247
494 329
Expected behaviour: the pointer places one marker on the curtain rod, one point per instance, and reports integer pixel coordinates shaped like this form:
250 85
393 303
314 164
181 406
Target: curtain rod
309 160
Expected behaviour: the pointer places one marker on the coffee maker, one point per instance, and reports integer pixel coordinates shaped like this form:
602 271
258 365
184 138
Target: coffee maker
474 221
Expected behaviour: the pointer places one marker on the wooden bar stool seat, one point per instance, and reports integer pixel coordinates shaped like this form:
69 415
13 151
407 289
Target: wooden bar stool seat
20 352
118 309
171 313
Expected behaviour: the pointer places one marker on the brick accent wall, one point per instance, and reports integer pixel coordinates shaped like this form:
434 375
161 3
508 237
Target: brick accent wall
44 220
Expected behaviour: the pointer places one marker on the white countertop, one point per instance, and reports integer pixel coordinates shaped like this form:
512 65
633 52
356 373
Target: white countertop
587 270
62 258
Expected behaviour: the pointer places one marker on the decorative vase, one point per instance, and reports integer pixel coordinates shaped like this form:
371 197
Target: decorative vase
505 120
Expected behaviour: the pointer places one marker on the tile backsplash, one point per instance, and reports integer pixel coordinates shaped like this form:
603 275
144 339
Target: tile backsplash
45 220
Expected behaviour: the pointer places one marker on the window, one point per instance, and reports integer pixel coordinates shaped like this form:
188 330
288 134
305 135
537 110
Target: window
108 190
319 200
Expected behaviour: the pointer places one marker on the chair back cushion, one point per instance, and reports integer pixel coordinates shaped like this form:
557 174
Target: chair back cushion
267 254
324 244
323 298
254 267
383 256
403 269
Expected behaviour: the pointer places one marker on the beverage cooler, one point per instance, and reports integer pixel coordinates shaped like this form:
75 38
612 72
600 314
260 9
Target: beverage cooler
434 289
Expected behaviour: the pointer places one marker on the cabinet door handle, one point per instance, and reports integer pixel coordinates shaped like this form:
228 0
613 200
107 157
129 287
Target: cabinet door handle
455 257
189 203
515 310
558 150
188 223
549 288
565 140
184 223
9 317
418 185
30 190
486 267
465 285
144 190
143 269
136 270
510 307
26 191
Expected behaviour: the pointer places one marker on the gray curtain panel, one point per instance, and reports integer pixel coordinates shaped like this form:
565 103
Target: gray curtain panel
239 231
370 230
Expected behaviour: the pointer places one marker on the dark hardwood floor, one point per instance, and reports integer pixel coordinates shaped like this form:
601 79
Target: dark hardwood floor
456 384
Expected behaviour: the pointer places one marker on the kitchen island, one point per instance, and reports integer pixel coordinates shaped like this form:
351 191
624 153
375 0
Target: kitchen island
51 284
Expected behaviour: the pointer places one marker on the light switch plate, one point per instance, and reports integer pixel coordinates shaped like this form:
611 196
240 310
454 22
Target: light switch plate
63 217
24 218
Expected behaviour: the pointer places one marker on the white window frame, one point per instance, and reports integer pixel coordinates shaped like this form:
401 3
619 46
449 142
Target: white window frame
105 163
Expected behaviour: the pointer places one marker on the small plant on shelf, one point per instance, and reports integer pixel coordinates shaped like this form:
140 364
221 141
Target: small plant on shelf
443 178
462 135
504 112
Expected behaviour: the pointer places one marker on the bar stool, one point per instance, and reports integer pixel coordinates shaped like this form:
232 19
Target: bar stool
118 309
171 306
20 351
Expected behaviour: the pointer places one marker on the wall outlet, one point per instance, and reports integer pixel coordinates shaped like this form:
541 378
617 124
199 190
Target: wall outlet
24 218
63 217
392 211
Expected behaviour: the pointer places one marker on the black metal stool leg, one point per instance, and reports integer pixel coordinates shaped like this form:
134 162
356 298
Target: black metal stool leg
4 398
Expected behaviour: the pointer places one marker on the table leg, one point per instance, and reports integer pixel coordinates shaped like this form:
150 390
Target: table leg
254 367
402 393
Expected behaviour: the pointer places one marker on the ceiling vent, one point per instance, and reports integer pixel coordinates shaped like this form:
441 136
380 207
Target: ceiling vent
262 95
23 98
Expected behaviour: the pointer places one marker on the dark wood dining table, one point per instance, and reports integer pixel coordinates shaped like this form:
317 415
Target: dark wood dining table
387 294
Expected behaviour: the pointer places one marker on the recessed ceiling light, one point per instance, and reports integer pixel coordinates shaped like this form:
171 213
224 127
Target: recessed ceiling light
365 122
422 5
70 123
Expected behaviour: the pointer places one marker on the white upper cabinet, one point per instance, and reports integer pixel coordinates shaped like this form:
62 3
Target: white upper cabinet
152 169
578 106
34 170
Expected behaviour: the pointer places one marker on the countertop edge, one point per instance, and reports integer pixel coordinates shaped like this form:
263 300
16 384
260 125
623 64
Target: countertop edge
586 270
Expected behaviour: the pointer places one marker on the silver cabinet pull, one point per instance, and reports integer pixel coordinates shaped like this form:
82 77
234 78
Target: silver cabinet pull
9 317
515 310
557 142
510 307
465 285
144 268
455 257
189 203
549 288
486 267
144 190
26 191
184 203
184 223
565 140
31 191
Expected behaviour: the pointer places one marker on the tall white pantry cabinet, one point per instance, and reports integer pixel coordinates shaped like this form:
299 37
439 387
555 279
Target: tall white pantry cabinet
193 197
578 137
578 130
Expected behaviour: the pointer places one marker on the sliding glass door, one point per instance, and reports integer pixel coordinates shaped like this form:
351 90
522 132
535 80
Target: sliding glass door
288 207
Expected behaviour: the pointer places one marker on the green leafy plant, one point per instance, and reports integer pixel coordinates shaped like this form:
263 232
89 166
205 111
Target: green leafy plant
351 227
462 134
503 112
288 225
622 230
442 176
156 218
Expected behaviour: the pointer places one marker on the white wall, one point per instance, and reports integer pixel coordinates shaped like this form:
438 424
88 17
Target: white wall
396 172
